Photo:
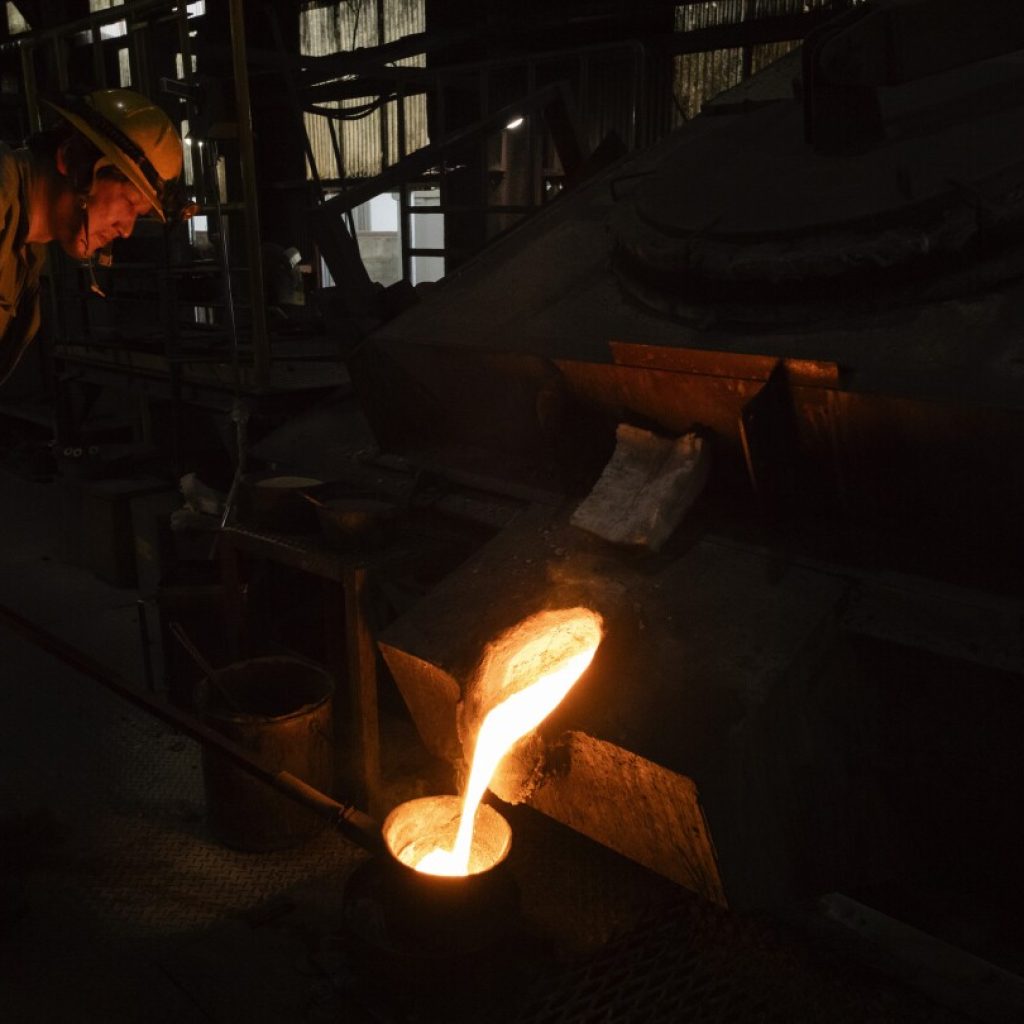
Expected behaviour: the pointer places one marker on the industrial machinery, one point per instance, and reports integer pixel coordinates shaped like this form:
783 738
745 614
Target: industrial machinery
815 676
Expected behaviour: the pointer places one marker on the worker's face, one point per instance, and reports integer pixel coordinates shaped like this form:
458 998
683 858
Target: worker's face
111 209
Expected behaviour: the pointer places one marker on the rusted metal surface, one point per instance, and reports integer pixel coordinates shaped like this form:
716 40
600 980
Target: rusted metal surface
432 697
911 474
648 799
718 363
676 402
767 435
847 453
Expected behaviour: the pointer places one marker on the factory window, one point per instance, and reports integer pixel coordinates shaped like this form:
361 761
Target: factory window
199 231
378 237
188 173
378 232
426 232
179 65
124 68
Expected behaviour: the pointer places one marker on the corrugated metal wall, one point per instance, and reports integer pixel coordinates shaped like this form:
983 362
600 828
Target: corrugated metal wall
699 76
369 143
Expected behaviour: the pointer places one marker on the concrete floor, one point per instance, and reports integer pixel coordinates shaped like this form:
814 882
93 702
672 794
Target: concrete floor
117 905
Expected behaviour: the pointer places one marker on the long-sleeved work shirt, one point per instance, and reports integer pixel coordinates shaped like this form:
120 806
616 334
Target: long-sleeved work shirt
21 262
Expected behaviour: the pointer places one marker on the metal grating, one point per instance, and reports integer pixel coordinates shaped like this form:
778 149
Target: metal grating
693 963
656 973
142 862
112 815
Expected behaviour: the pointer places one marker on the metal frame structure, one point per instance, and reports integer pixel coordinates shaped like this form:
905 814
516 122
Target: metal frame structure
562 103
174 371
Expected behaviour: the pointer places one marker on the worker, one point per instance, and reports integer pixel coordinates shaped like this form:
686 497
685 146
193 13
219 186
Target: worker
113 157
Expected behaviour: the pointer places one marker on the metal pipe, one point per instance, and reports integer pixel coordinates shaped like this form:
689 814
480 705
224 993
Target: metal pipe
355 825
28 73
260 338
99 18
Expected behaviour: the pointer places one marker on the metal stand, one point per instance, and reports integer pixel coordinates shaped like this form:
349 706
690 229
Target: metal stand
354 661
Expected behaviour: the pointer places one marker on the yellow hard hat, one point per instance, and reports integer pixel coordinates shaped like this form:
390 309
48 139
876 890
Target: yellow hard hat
133 134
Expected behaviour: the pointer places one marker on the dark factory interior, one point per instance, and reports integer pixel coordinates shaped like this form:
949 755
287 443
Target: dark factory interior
511 511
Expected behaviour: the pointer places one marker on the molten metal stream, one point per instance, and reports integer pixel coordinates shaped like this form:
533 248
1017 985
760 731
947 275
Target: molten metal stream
508 722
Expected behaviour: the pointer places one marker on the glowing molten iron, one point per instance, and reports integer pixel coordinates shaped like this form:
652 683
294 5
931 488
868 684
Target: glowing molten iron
539 662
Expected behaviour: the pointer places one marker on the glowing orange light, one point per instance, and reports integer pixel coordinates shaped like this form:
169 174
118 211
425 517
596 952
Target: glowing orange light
539 661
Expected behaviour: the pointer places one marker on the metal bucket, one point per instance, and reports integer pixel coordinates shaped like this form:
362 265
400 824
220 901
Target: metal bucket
279 709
